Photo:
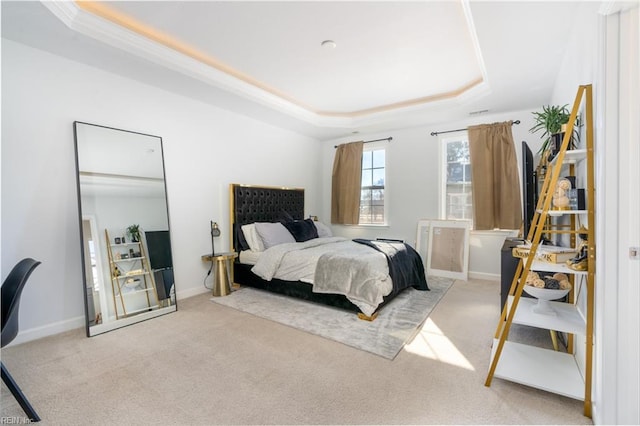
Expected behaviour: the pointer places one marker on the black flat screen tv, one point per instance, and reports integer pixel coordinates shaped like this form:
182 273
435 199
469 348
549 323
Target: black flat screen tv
529 188
159 246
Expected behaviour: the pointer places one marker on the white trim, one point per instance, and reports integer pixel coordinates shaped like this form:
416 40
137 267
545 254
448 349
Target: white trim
484 276
184 294
104 310
606 110
49 330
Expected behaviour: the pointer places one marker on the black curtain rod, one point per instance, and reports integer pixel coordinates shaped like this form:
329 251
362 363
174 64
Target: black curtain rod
375 140
460 130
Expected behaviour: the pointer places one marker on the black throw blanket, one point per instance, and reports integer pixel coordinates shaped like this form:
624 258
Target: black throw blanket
405 265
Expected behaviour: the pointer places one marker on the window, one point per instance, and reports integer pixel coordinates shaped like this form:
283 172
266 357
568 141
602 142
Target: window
456 196
372 208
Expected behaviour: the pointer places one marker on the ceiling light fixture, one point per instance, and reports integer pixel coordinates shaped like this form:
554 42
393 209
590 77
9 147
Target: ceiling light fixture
328 44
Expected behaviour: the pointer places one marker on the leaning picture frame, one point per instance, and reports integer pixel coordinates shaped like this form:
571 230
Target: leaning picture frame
447 247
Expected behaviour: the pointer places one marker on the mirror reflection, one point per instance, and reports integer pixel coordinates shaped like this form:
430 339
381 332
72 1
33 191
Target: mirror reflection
126 244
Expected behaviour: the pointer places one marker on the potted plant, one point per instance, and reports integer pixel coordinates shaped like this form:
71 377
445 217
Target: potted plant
134 233
551 121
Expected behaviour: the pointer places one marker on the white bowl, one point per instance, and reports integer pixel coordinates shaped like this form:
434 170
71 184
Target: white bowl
546 293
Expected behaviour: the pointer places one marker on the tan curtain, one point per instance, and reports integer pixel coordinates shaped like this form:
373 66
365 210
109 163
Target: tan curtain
495 181
346 184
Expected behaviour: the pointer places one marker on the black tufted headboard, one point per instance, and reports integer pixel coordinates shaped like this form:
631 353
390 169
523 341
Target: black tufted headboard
251 204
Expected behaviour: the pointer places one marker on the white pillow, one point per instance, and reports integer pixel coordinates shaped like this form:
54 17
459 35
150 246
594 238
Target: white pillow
323 230
273 234
252 237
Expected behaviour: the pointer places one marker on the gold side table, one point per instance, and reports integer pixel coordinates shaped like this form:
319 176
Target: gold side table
222 284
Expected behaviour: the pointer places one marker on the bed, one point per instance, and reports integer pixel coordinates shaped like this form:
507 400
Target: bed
282 252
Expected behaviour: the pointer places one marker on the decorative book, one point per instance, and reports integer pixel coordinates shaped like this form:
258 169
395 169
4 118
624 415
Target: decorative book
549 254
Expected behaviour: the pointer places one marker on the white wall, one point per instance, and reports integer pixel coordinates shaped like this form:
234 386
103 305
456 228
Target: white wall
412 184
205 149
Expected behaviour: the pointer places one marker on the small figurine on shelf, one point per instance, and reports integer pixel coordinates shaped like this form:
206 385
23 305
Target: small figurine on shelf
580 261
116 272
560 196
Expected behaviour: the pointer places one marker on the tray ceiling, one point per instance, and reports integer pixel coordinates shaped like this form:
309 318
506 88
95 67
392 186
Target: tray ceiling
394 63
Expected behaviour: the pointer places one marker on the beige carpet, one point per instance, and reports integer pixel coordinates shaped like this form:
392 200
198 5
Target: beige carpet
210 364
396 324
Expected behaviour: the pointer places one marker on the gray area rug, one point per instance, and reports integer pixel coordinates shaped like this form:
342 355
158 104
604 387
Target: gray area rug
395 326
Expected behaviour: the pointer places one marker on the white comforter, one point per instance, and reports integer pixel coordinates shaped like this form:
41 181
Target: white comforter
332 265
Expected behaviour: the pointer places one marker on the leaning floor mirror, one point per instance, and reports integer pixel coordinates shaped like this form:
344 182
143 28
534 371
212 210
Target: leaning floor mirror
124 227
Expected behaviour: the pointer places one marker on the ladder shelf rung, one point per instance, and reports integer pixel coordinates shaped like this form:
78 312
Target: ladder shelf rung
540 368
568 318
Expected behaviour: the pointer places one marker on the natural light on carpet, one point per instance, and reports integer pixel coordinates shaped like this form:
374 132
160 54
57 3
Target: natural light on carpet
432 343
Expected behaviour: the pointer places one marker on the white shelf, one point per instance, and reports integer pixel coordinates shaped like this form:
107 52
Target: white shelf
572 156
540 368
568 318
556 213
130 259
132 275
566 374
125 244
131 293
538 265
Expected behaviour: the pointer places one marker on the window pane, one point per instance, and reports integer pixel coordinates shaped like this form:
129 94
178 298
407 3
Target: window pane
457 198
378 158
366 159
366 178
378 177
454 172
365 214
467 173
378 214
458 151
373 175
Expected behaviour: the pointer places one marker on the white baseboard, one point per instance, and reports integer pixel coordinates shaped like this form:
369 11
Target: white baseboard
48 330
484 276
190 292
35 333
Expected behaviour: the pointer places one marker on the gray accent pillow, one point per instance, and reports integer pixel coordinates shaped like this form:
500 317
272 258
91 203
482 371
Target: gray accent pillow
273 234
323 230
251 236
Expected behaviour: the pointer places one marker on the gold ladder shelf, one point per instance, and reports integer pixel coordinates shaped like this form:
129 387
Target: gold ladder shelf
148 285
550 370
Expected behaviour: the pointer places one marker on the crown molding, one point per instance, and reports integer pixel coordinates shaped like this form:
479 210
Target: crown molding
609 7
217 75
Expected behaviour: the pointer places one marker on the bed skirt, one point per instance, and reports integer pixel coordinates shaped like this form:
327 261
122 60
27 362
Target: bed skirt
243 276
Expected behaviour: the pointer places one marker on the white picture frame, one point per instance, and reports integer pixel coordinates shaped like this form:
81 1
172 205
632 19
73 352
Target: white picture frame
447 247
422 239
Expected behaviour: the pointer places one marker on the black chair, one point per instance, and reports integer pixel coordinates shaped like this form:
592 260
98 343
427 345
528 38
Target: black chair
11 291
